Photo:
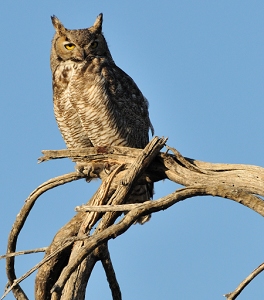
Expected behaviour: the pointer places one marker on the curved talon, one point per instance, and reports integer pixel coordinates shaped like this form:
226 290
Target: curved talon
107 169
124 182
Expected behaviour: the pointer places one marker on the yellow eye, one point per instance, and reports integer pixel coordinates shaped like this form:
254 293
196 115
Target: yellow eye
69 46
94 45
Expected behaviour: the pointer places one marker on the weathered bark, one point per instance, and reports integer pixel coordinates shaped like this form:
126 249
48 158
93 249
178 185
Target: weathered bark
69 260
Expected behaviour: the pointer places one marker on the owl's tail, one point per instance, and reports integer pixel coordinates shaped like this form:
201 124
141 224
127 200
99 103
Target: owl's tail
140 194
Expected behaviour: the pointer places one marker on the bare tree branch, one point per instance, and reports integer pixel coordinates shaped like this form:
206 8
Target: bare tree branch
24 252
70 259
105 258
244 283
105 208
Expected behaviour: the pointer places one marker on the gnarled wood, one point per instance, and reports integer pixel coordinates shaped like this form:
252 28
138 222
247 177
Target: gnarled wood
69 260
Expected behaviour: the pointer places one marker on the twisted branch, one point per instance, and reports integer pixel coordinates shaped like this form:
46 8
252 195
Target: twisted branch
70 258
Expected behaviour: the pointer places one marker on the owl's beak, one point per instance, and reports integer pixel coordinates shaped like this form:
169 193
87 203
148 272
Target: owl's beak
79 54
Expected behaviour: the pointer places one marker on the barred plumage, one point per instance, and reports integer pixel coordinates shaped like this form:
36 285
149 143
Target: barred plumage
95 102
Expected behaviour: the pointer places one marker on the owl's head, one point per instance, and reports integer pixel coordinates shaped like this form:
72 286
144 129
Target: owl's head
78 45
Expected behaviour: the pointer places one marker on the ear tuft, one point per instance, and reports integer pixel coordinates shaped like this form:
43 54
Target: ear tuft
57 24
97 26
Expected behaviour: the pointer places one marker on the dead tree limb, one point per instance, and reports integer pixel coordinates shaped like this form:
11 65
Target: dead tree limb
43 249
69 260
79 252
244 283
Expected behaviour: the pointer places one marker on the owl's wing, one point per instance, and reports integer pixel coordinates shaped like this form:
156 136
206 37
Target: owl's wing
130 107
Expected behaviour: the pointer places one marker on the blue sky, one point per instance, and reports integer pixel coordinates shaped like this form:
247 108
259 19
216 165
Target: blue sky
201 66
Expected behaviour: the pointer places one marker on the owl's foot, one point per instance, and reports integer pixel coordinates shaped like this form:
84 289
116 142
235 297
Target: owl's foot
93 170
88 170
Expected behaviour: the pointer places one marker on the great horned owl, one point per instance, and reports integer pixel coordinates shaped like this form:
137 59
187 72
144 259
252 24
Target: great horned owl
95 102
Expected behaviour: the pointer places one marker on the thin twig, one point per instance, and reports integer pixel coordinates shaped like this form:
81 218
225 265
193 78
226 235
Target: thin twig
29 272
59 249
185 162
24 252
244 283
